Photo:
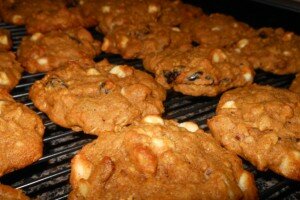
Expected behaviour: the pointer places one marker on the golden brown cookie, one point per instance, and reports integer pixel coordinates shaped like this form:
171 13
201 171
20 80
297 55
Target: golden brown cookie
295 86
261 124
18 11
44 52
218 30
199 71
5 40
21 135
10 70
98 98
9 193
272 50
159 159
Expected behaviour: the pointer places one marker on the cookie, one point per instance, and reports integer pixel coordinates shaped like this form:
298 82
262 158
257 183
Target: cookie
10 70
50 20
44 52
5 40
295 86
272 50
9 193
18 11
261 124
218 30
138 42
21 135
199 71
159 159
98 98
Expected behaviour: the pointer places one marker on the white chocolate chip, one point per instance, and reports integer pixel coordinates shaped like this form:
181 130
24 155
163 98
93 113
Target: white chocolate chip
248 76
36 36
123 91
118 70
153 119
17 19
176 29
82 168
152 9
218 56
3 40
92 71
216 28
105 9
105 44
42 61
3 78
285 165
229 104
242 43
159 143
243 181
190 126
124 42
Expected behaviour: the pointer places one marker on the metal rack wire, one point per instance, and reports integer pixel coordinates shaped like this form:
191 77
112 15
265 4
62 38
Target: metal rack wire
48 177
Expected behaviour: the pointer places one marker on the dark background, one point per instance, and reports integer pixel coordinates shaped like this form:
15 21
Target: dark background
255 14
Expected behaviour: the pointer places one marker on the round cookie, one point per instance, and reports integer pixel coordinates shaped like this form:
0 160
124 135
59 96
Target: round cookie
218 30
5 40
18 11
21 135
98 98
159 159
199 71
9 193
272 50
295 86
44 52
10 70
261 124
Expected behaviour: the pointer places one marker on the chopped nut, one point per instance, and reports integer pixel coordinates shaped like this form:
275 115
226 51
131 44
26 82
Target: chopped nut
158 142
153 119
82 168
36 36
152 9
176 29
218 56
17 19
243 180
105 44
4 78
235 25
123 91
216 28
288 36
242 43
287 53
190 126
118 70
124 42
42 61
92 71
3 40
248 76
229 104
83 188
105 9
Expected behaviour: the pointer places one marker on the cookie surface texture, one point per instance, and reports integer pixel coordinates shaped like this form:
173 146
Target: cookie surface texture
9 193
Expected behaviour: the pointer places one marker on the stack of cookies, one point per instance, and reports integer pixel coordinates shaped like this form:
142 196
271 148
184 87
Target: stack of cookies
138 154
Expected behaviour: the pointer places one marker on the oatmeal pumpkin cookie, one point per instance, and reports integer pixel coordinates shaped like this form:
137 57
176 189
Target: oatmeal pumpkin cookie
9 193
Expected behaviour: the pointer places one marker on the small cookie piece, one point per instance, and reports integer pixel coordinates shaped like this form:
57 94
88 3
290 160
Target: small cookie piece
44 52
295 86
50 20
199 71
10 70
17 11
9 193
158 159
5 40
98 98
21 132
272 50
261 124
218 30
139 41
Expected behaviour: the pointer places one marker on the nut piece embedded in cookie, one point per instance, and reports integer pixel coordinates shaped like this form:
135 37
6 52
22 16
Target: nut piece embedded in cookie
200 71
9 193
20 126
261 124
158 161
5 40
44 52
98 98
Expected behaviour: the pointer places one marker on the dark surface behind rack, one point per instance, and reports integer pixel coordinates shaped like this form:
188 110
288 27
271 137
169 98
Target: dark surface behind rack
48 178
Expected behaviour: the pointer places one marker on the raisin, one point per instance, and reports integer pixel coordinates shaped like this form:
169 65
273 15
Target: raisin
103 89
195 76
56 82
171 75
195 44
